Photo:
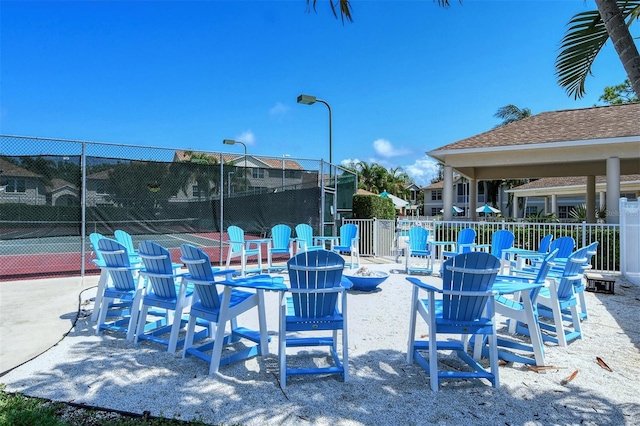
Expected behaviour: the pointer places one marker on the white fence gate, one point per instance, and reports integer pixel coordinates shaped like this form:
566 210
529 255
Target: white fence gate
630 240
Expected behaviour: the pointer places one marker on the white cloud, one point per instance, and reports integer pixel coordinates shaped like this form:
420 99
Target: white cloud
422 171
279 110
247 137
385 149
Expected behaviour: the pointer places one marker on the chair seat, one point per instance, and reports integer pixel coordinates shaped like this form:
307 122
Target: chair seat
211 314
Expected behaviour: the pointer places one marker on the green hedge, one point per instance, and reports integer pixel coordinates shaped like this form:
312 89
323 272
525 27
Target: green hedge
370 206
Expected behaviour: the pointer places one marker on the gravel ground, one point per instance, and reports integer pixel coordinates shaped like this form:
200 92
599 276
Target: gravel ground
107 371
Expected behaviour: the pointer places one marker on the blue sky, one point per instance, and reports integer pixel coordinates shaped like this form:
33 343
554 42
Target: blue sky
405 78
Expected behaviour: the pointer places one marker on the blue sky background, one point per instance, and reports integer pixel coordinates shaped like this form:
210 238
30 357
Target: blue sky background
406 77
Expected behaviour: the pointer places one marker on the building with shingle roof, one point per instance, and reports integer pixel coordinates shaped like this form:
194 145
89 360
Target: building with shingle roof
588 142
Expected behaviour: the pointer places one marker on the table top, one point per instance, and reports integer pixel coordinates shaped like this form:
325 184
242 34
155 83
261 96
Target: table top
503 285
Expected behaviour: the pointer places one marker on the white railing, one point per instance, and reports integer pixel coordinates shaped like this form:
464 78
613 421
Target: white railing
380 237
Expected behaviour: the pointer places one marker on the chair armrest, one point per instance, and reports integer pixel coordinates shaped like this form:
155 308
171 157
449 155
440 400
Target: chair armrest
417 282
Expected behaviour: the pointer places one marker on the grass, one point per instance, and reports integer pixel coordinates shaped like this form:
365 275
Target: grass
19 410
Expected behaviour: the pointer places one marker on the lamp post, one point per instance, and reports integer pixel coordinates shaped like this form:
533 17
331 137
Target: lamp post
232 142
310 100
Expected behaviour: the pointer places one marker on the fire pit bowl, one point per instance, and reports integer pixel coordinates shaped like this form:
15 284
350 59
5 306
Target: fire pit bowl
366 280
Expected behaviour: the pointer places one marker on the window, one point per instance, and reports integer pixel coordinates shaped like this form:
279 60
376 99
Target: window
436 194
435 211
16 185
631 196
531 211
257 173
195 191
563 211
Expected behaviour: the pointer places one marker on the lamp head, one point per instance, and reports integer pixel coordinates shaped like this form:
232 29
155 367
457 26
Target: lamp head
229 142
306 99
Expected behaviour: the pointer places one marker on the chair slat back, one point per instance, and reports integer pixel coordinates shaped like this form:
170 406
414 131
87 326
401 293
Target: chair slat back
157 262
116 259
125 239
501 240
305 232
545 243
545 267
199 266
319 269
573 273
466 237
592 250
280 236
418 237
236 234
473 272
348 232
565 246
94 238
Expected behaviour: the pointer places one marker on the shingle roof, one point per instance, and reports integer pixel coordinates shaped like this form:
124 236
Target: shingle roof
273 163
602 122
557 182
10 169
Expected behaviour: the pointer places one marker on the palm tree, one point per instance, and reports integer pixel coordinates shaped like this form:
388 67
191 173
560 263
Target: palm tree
588 33
371 177
397 182
511 113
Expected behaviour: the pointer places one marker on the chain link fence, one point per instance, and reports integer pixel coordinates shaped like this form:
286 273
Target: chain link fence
55 193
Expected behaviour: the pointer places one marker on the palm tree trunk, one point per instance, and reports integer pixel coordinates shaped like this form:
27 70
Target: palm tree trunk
621 39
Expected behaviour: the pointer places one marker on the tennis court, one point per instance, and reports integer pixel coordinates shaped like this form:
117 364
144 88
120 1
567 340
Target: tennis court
46 256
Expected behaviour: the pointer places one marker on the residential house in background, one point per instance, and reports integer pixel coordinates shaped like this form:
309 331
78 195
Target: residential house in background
562 195
20 185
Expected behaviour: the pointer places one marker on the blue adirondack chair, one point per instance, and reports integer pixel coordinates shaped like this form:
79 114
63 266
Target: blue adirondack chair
239 296
560 296
280 244
126 240
304 239
578 287
500 240
244 249
418 247
464 244
519 315
165 289
312 308
524 255
466 308
348 242
123 287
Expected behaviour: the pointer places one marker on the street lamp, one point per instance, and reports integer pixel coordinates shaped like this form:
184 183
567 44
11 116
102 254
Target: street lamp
310 100
232 142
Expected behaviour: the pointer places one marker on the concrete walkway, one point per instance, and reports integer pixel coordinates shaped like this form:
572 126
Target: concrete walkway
36 314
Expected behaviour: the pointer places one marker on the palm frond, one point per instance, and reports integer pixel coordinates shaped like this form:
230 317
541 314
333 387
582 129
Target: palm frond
582 43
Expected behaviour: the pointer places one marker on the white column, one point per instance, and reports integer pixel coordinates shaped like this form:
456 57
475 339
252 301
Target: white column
554 203
546 205
473 199
613 189
590 199
602 200
447 193
514 207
